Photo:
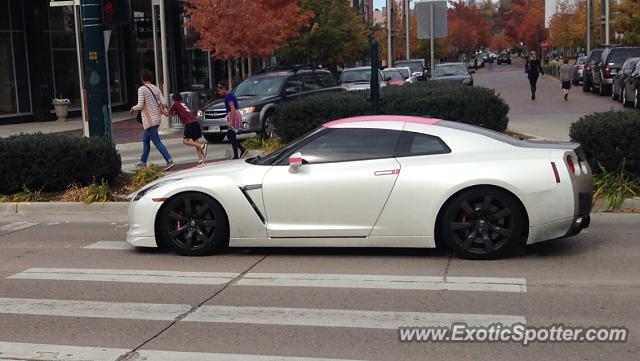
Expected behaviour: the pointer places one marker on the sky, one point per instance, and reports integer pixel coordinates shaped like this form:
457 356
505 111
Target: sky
379 4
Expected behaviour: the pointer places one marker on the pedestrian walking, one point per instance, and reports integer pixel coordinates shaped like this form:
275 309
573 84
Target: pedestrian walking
533 69
192 130
565 77
234 118
151 104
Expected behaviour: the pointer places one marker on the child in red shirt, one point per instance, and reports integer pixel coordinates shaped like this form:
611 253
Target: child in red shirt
192 130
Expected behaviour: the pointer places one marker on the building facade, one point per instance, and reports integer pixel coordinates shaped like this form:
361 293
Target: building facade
39 62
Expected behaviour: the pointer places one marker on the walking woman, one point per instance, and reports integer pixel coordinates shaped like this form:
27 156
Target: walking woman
151 104
234 119
533 69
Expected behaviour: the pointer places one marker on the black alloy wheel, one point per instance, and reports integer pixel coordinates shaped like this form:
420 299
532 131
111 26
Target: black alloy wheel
193 224
483 223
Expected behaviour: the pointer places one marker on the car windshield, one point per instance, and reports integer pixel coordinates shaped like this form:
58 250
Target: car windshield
355 76
276 156
259 86
595 55
450 70
620 55
415 66
393 74
406 73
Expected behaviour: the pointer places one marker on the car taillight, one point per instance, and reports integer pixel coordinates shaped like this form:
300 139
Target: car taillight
607 70
570 164
587 67
555 172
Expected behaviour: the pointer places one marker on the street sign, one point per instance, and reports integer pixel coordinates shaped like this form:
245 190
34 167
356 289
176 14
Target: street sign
423 13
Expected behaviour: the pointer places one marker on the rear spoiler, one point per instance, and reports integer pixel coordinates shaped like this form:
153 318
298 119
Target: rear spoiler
549 144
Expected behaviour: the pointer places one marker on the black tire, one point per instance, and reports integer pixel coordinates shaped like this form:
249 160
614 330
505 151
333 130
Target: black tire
268 128
193 224
214 138
482 223
585 86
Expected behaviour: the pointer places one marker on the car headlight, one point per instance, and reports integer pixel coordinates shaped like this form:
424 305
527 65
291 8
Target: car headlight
466 81
141 193
200 114
247 110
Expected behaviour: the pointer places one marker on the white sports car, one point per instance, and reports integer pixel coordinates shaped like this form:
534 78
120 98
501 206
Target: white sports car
374 181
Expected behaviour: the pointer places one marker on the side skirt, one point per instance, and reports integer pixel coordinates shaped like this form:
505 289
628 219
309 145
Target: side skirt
393 242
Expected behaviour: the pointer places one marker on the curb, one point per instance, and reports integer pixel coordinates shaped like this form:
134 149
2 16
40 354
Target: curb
602 205
94 212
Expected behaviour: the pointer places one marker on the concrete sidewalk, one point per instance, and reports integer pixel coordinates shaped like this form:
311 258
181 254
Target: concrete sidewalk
72 124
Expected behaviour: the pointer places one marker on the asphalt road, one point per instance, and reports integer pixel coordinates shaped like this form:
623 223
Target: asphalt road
549 116
76 291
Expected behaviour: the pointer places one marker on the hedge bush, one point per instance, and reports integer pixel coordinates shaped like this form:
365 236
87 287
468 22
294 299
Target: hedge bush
609 137
52 162
471 105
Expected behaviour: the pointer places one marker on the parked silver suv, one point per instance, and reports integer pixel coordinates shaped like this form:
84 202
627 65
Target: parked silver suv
259 97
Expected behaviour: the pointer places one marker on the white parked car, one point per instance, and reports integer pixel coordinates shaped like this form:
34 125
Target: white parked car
374 181
359 78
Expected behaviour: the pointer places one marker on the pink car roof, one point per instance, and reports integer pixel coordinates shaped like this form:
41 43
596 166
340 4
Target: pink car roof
383 118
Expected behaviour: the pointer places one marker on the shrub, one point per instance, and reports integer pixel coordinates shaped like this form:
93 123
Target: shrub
299 117
471 105
94 192
146 175
614 187
455 102
609 137
265 145
51 162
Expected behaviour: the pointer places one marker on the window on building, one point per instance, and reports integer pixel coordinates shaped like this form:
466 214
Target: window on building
15 95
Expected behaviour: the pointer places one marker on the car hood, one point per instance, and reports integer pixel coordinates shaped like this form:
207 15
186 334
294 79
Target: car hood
244 102
452 77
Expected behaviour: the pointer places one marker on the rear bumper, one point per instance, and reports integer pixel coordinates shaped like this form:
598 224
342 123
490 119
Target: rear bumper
582 219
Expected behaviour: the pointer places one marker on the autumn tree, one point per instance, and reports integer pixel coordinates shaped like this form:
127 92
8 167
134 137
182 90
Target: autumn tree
468 30
627 22
525 22
335 34
244 28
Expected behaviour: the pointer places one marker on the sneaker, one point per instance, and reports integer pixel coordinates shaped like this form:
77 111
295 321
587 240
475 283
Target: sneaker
170 165
201 161
141 165
204 150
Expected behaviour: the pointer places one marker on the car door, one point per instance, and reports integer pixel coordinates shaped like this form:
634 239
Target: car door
292 88
341 188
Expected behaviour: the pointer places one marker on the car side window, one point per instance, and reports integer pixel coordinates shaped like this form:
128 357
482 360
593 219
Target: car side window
413 144
294 82
350 144
327 80
310 82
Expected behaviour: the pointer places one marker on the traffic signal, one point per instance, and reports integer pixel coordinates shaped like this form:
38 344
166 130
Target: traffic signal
116 12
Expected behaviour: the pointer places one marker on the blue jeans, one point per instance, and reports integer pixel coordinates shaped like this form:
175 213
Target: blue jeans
151 135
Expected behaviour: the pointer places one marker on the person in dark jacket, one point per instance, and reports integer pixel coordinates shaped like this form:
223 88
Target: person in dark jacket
533 69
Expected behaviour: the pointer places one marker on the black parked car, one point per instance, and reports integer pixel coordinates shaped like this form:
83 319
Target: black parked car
504 58
259 96
631 91
620 80
609 65
587 76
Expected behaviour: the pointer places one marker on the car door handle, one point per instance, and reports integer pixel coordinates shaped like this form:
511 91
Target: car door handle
386 172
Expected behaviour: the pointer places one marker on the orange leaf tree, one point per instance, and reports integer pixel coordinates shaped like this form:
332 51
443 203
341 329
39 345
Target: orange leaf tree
244 28
525 22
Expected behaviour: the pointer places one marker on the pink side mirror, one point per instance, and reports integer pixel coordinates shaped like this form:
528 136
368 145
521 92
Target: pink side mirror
295 160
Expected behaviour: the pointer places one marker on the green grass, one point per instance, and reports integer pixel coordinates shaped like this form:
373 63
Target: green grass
614 187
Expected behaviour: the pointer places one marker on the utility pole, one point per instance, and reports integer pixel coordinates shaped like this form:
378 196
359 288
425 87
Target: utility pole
95 76
589 26
407 49
604 22
389 31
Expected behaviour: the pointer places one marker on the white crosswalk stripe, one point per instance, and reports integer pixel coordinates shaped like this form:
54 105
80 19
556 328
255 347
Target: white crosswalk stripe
44 352
115 245
16 226
492 284
248 315
424 283
133 276
342 318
